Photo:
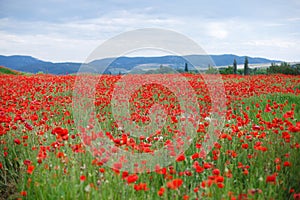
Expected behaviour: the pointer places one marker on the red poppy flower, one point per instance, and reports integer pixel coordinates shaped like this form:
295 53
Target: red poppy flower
23 193
180 158
161 191
268 108
17 141
296 196
271 179
132 178
82 178
245 146
141 186
287 164
27 162
30 169
216 172
174 184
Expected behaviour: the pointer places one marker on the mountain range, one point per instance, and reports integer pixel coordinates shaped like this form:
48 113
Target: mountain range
125 64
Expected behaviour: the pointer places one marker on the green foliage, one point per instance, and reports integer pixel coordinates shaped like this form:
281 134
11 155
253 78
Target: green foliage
234 66
228 70
212 70
257 71
4 70
161 70
240 71
186 67
246 66
284 68
297 87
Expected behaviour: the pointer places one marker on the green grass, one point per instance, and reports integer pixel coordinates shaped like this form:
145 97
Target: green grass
4 70
263 100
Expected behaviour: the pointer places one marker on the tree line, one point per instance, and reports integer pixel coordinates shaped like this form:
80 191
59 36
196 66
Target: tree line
282 68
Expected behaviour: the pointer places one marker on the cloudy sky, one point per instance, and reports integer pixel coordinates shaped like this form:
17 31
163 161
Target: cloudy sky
61 30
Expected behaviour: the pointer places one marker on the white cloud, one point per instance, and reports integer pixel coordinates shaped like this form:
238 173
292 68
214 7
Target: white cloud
217 30
70 41
293 19
276 43
47 47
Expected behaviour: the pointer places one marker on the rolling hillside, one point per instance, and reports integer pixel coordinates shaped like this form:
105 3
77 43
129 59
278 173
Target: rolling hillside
5 70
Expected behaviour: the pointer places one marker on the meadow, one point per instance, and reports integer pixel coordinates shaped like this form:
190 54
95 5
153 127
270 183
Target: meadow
45 156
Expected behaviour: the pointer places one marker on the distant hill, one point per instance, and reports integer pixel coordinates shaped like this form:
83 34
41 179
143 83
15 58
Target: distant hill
33 65
124 64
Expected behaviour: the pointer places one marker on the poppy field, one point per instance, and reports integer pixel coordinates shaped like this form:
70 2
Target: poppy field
44 155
